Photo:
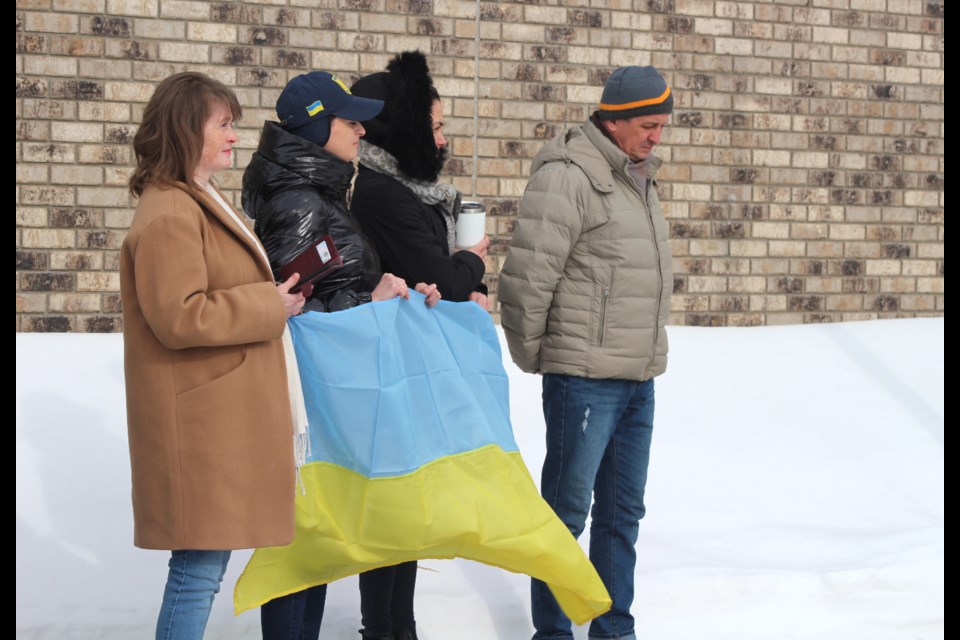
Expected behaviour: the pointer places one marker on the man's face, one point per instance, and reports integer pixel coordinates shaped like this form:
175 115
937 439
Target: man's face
637 136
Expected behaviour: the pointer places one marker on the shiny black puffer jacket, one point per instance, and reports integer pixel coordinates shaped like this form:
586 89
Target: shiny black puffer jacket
296 193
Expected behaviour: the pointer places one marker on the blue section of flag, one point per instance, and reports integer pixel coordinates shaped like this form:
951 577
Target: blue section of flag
405 384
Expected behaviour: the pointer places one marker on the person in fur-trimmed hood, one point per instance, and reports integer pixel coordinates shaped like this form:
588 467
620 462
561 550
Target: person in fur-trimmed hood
407 214
410 218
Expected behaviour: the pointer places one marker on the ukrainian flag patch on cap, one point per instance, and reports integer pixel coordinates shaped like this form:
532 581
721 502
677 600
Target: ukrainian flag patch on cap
315 108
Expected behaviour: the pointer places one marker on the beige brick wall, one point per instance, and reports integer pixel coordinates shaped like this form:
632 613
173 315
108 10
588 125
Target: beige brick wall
804 175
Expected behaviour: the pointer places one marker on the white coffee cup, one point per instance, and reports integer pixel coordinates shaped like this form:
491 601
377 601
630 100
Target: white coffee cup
471 225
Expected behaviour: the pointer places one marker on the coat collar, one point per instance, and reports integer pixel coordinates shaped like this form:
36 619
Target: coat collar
598 157
310 162
614 160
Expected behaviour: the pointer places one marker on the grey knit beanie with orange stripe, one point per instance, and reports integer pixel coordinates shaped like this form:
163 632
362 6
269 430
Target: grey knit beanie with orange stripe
635 91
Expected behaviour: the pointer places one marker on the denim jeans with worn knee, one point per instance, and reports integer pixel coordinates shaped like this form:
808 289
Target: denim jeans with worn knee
192 582
598 446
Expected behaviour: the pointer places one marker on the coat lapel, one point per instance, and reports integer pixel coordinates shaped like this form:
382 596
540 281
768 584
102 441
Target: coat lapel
210 205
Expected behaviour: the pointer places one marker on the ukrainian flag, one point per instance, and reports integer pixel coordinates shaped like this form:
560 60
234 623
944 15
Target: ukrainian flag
412 457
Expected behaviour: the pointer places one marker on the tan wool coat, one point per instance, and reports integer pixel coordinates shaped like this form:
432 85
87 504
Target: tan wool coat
208 412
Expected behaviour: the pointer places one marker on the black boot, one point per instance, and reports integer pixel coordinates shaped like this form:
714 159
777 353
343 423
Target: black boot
366 637
405 635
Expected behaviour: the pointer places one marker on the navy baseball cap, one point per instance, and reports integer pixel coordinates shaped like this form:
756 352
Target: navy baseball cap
312 98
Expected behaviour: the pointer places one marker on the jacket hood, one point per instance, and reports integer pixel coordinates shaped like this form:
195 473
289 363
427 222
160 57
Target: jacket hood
405 127
588 148
284 160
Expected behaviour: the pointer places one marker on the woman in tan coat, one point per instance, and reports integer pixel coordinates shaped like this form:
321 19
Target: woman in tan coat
208 407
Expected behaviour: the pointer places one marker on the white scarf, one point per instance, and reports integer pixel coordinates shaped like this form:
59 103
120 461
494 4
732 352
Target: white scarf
298 409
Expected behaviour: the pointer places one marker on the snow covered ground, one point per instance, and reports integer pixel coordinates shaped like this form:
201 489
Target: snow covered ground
795 492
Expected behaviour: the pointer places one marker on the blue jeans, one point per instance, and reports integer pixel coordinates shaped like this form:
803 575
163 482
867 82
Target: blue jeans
192 582
598 442
296 616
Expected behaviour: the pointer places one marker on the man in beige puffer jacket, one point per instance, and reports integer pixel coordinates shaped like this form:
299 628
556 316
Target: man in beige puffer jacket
585 294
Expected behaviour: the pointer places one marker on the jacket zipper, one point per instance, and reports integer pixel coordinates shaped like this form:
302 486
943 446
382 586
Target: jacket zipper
603 311
656 319
656 248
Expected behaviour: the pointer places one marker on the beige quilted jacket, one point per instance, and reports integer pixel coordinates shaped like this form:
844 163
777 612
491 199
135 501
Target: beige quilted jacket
585 288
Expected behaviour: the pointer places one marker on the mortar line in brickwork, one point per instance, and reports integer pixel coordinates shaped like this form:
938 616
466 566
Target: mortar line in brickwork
476 101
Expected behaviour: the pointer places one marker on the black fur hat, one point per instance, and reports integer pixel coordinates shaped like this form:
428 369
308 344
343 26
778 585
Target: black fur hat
404 128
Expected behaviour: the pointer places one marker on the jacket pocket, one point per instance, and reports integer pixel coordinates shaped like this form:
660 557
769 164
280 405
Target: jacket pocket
200 366
207 414
604 293
604 299
594 219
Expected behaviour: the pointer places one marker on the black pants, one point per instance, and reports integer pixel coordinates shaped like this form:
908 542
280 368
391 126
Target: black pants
386 599
294 617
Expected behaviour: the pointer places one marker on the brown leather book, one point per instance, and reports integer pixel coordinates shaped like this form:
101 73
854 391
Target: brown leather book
315 263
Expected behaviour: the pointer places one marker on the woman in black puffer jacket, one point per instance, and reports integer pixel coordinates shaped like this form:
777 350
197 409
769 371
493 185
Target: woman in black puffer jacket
296 191
295 188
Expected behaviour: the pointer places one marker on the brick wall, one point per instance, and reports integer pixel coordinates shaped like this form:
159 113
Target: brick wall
804 167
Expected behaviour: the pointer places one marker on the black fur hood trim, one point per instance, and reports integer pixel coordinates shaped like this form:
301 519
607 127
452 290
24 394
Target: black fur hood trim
404 128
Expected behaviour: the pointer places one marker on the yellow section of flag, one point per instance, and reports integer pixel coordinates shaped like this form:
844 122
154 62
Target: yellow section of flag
480 505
